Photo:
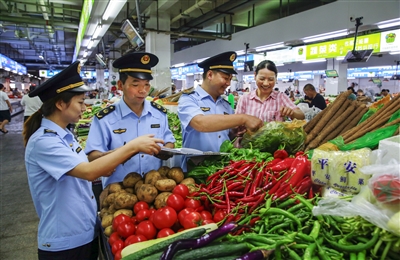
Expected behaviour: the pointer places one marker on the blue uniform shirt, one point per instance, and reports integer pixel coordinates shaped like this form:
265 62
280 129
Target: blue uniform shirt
121 125
65 204
200 102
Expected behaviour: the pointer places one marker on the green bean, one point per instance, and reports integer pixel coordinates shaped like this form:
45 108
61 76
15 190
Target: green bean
386 250
376 247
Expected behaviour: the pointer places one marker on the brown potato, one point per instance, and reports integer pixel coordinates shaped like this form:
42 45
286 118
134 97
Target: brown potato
114 187
138 184
107 221
152 177
110 198
124 200
165 185
187 181
111 209
147 193
163 170
176 174
130 190
131 179
105 204
104 212
127 212
161 199
108 231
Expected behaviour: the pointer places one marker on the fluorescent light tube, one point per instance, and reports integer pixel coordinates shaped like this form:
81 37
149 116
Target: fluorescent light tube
111 8
90 45
340 58
96 31
313 61
324 36
271 46
389 23
85 54
179 65
394 52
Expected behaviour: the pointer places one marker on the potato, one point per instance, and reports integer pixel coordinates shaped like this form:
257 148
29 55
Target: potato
165 185
152 177
131 179
127 212
163 170
176 174
108 231
104 212
147 193
130 190
187 181
107 221
114 187
105 203
161 199
138 184
124 200
110 198
111 210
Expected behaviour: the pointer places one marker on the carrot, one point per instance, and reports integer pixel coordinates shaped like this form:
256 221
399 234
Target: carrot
332 126
358 115
335 106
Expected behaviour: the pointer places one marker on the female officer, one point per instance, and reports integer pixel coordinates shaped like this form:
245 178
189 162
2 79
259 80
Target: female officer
59 173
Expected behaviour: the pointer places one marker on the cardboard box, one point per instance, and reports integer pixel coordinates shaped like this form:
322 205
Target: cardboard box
392 147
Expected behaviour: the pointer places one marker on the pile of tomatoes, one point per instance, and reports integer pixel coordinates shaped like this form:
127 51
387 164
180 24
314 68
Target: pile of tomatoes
182 212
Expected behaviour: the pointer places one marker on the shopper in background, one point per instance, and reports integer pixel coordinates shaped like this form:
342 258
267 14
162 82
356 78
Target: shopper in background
59 173
385 92
30 104
5 110
362 97
353 95
93 94
173 89
207 119
313 98
129 118
265 103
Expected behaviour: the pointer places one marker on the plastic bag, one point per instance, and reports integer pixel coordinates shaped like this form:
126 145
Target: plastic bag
273 134
309 112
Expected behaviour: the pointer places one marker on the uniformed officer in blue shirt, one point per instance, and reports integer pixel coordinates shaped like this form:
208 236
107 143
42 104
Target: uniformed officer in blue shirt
59 173
207 119
129 118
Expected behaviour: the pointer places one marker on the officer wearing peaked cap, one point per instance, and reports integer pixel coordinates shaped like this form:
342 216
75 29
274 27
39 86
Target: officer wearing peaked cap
59 174
205 115
131 117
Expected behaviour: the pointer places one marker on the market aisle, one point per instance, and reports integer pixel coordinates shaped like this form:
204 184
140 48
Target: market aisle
18 219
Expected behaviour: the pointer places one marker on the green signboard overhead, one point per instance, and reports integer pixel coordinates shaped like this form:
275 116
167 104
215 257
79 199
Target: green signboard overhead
85 15
337 48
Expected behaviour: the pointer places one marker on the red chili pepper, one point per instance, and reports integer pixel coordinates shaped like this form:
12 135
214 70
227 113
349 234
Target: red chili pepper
247 187
259 201
253 221
220 206
233 185
299 153
237 217
282 154
275 187
250 198
304 185
302 168
285 164
273 162
311 193
228 202
235 194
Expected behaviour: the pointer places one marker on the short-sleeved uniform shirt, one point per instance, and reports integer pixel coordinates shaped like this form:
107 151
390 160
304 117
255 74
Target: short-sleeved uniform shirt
65 204
117 125
317 101
199 102
267 110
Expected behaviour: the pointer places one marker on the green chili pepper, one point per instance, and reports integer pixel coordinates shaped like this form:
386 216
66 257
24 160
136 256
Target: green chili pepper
284 213
293 255
315 230
356 248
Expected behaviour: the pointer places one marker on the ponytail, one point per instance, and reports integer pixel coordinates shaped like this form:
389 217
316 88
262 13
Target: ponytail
31 125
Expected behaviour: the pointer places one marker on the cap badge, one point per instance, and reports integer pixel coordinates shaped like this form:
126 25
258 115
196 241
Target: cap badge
233 57
145 59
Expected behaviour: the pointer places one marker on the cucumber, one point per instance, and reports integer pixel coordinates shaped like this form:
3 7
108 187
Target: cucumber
140 250
213 251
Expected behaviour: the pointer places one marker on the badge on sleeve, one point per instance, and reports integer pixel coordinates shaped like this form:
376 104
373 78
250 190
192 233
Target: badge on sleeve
49 131
119 131
205 109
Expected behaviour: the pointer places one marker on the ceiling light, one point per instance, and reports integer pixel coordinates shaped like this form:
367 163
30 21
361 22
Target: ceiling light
238 53
270 46
111 8
279 64
90 45
340 58
324 36
313 61
97 31
394 52
41 57
389 23
179 65
85 54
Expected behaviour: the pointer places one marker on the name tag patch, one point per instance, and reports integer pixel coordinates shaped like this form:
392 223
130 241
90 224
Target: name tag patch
225 113
78 150
119 131
205 109
155 126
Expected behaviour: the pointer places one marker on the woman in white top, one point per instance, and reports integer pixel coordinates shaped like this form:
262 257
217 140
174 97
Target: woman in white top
5 110
30 104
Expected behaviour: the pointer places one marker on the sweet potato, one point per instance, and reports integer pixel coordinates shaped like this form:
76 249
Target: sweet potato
152 177
165 185
163 170
176 174
147 193
124 200
114 187
161 199
131 179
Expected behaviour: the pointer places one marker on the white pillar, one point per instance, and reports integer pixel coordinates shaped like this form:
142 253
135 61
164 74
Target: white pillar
334 86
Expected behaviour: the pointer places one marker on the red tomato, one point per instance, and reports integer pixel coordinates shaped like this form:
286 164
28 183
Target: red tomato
206 214
192 203
164 217
143 214
116 246
165 232
182 190
120 219
386 189
182 214
126 229
193 219
207 221
113 237
134 239
152 210
134 220
147 229
176 202
118 255
141 238
219 215
140 205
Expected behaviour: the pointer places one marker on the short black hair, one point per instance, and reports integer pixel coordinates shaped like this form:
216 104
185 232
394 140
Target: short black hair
1 86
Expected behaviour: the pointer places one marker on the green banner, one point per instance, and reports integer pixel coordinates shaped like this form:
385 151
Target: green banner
85 15
337 48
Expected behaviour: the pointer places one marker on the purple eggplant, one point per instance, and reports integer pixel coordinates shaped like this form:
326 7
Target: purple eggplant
256 255
204 240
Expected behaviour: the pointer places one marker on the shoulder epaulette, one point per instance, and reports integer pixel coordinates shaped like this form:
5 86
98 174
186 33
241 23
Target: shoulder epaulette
159 107
188 92
49 131
102 113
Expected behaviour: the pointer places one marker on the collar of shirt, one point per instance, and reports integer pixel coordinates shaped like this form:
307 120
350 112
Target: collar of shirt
253 95
204 94
125 110
63 133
